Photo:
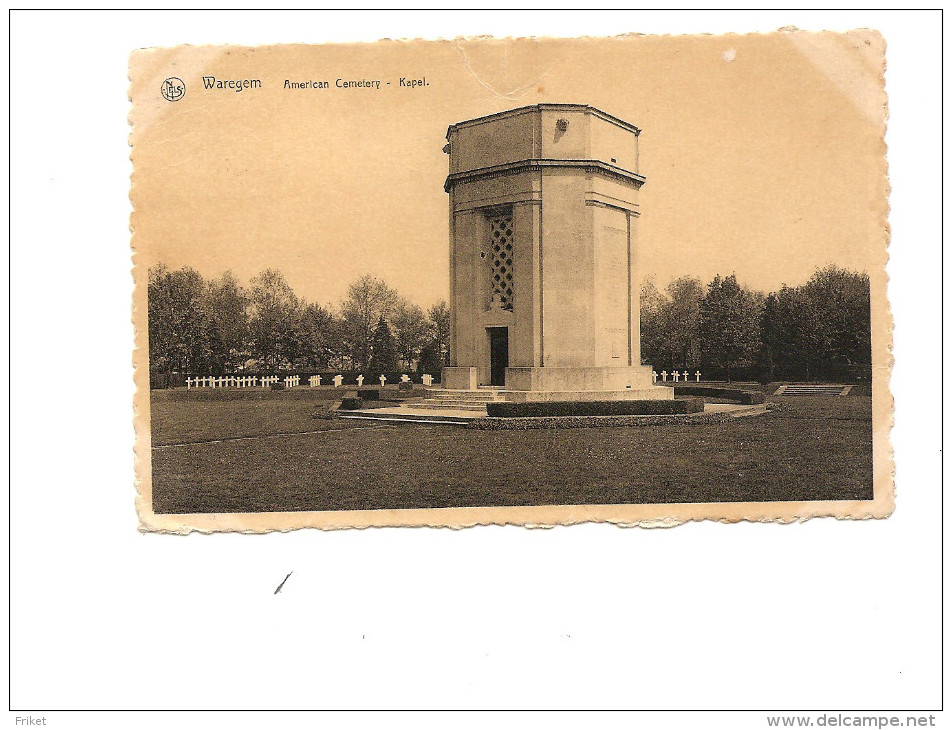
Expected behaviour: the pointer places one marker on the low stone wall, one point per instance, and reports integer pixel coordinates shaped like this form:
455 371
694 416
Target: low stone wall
744 397
524 424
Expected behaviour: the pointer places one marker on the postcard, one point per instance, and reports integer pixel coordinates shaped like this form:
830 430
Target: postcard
539 281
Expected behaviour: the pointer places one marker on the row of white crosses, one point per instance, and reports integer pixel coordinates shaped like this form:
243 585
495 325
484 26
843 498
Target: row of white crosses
292 381
315 380
675 375
230 381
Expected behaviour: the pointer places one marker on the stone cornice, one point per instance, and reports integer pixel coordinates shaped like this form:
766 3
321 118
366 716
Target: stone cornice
614 206
514 168
554 107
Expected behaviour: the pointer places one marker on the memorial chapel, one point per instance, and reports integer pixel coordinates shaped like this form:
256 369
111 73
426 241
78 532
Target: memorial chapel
543 229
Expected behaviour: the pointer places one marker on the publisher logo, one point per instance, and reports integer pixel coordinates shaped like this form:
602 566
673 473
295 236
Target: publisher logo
173 88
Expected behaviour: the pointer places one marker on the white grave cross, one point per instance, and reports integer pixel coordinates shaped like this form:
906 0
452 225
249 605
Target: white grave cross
338 380
383 379
697 375
360 381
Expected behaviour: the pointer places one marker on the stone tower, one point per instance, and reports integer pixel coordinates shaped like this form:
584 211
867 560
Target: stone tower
543 220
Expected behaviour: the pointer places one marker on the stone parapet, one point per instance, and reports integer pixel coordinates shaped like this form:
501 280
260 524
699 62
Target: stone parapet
459 378
578 378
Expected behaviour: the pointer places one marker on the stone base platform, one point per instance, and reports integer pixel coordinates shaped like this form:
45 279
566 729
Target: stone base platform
476 399
420 413
569 380
552 396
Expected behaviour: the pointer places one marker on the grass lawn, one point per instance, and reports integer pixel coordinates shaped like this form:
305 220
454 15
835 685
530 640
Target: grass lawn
812 448
202 415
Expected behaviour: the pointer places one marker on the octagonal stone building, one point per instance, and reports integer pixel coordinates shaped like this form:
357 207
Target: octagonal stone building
543 221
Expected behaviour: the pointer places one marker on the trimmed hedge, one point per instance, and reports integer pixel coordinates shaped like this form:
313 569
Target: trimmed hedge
744 397
351 404
369 393
595 408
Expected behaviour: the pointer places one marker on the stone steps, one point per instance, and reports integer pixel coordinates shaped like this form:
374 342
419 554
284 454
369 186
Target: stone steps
450 405
811 389
465 396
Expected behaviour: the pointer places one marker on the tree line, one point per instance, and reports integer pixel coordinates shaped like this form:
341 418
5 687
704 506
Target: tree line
820 329
204 326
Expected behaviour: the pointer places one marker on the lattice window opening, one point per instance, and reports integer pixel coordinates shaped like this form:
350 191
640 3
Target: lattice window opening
500 259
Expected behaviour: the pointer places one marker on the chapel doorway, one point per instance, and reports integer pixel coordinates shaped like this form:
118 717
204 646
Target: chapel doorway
498 355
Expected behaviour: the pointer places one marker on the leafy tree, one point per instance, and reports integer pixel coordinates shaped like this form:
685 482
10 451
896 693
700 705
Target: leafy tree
227 306
412 330
792 336
682 322
730 326
337 342
368 300
430 360
821 327
178 334
316 334
274 325
772 329
652 326
840 300
439 315
670 323
383 356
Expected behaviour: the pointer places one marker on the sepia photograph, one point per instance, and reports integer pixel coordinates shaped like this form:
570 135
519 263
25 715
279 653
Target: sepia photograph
484 276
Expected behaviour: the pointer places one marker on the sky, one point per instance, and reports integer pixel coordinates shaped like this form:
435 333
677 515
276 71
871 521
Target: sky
763 154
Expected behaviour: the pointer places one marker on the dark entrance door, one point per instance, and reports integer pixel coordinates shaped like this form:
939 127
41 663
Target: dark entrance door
498 355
